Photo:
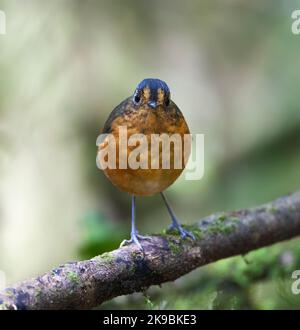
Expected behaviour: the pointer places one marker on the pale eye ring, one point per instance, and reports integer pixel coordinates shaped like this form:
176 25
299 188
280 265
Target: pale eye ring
136 97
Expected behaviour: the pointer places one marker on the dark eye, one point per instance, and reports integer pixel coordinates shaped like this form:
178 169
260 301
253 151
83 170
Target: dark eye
137 98
167 101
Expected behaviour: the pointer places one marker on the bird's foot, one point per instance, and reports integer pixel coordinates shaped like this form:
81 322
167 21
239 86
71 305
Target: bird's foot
183 232
135 237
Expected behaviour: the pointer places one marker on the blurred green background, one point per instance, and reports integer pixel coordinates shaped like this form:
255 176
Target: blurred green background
233 69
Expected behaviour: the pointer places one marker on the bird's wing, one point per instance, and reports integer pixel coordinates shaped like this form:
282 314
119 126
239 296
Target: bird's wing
118 111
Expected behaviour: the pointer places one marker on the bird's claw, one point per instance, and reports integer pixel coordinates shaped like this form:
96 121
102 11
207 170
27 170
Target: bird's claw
145 238
135 237
183 232
130 241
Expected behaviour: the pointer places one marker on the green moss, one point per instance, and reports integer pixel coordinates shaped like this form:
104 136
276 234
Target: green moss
234 219
72 276
174 247
107 256
222 217
223 224
4 306
192 228
272 209
198 233
9 293
226 229
173 232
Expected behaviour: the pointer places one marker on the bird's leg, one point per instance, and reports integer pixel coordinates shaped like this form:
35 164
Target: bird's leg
134 233
175 223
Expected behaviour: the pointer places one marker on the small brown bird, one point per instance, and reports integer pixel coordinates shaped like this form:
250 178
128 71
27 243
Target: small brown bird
148 112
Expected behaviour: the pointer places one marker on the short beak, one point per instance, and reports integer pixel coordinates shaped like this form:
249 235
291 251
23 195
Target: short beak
152 104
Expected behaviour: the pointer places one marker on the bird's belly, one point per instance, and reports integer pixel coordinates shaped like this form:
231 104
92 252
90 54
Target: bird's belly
142 182
147 180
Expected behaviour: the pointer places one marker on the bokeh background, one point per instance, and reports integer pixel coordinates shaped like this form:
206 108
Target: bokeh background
233 69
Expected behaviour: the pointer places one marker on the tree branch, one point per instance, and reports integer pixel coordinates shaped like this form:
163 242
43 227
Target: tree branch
86 284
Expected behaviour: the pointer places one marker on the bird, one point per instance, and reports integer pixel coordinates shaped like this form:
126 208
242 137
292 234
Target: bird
148 111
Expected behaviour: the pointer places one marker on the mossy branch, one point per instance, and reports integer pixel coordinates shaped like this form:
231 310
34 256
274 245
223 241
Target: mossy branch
86 284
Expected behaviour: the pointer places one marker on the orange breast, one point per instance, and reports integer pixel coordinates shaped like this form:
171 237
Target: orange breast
148 181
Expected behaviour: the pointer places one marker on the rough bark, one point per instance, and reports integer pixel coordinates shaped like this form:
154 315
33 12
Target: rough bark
86 284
